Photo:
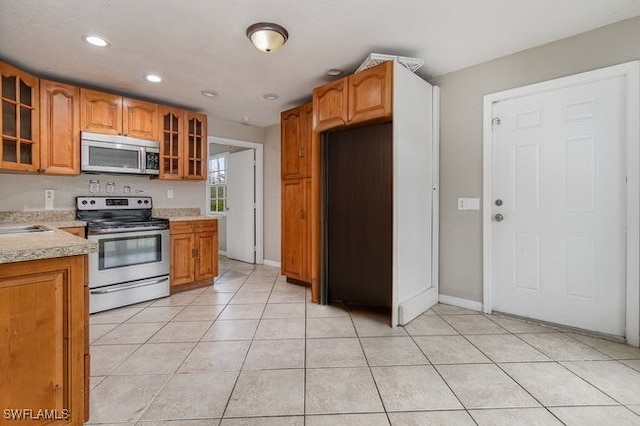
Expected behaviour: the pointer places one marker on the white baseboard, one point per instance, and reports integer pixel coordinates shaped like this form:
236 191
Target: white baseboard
460 303
222 252
271 263
416 305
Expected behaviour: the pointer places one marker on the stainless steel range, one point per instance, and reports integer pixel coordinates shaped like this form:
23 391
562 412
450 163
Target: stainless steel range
132 262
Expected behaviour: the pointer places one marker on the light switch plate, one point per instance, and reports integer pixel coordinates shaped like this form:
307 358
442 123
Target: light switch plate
468 203
169 193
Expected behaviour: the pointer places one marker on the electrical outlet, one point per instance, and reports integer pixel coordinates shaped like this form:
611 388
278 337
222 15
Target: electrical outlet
48 199
169 193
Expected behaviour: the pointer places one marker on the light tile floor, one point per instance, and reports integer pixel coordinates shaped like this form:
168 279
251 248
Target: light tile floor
252 350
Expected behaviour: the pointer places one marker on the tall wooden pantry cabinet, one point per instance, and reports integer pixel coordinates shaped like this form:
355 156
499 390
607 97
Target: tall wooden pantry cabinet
296 193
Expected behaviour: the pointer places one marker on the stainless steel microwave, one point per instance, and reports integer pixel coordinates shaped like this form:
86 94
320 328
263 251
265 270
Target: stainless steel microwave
119 154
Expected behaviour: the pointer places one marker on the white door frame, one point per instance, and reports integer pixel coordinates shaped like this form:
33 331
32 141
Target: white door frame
630 71
259 148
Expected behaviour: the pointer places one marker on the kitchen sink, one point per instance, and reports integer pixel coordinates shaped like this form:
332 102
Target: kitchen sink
23 229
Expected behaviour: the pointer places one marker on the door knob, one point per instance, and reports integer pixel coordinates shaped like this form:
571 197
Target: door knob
499 217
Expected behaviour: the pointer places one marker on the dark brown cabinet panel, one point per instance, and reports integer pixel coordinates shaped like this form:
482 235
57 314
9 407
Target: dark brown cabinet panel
359 208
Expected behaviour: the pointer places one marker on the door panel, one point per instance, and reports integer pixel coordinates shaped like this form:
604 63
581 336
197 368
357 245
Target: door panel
359 211
295 224
559 168
240 202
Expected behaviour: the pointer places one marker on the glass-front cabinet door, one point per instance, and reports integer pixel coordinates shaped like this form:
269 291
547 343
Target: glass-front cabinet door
196 146
171 143
19 122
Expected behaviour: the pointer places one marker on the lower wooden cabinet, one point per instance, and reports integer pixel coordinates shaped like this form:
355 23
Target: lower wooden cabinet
43 340
194 253
78 231
296 229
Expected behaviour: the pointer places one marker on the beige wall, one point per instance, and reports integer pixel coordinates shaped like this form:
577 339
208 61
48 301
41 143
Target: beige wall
461 134
272 193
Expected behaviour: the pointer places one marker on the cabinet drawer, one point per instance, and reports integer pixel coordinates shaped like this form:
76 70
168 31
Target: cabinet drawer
181 227
205 226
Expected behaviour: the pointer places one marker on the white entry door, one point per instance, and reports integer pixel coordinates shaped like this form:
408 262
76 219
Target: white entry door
558 206
241 206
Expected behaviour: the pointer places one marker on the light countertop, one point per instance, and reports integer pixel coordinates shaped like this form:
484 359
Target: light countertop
43 245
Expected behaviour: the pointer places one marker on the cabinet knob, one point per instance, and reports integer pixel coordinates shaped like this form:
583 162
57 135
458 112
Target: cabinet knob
301 213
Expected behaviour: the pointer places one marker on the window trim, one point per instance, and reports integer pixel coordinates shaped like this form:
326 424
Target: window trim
209 211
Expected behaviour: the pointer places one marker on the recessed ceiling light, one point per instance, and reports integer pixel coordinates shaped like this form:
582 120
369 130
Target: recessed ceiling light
270 96
209 93
244 119
154 78
96 40
334 72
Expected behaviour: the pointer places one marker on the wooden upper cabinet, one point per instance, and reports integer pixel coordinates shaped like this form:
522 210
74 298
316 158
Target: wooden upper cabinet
59 128
363 97
290 136
370 94
195 149
330 105
114 115
19 121
101 112
296 131
139 119
171 132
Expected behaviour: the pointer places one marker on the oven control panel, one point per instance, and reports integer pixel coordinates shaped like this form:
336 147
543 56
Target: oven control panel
113 203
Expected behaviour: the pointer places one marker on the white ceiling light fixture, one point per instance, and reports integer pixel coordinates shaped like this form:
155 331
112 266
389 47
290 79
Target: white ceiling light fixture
209 93
271 96
267 36
154 78
245 120
97 41
334 72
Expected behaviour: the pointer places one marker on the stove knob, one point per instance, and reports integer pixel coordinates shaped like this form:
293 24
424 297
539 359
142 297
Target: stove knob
139 201
146 201
92 202
84 202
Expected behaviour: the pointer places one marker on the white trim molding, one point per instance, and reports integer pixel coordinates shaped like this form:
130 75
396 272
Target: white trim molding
273 263
259 158
460 303
630 71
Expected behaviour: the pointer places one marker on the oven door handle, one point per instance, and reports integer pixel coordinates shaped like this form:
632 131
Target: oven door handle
97 231
130 286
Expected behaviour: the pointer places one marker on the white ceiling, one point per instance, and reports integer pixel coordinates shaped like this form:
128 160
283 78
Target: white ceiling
201 44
